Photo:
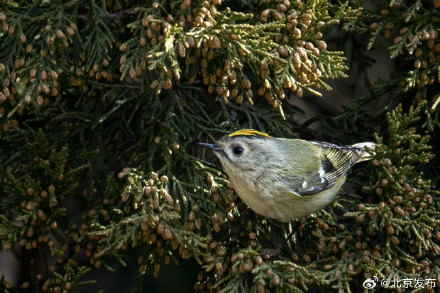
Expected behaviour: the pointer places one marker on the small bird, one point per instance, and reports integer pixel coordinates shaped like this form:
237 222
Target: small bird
283 178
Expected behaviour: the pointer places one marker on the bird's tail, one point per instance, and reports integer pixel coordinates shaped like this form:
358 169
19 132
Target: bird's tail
364 146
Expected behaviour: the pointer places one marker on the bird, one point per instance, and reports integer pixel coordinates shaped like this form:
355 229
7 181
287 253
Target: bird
283 178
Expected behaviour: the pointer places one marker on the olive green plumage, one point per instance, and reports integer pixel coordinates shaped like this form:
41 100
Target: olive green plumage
284 178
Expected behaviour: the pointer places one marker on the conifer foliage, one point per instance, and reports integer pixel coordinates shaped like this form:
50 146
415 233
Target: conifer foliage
103 102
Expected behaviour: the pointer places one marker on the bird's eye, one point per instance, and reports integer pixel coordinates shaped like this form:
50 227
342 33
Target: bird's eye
238 150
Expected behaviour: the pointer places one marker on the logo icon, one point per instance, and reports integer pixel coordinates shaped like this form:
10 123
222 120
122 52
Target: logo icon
370 283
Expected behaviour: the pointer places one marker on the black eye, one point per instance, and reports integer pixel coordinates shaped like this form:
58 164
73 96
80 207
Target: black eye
238 150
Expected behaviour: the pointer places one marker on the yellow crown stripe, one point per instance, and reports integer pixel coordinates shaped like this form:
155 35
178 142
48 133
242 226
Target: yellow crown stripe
249 132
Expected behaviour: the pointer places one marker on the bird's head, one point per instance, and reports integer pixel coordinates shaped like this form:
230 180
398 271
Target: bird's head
241 150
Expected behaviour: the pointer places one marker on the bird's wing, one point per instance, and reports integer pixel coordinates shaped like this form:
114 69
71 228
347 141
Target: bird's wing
335 161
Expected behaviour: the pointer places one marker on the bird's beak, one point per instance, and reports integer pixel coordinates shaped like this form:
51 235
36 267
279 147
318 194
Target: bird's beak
213 146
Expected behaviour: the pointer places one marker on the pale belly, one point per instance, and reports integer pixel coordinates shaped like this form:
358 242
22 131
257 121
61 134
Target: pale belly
281 204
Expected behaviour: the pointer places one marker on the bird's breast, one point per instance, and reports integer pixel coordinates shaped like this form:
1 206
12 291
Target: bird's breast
270 198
